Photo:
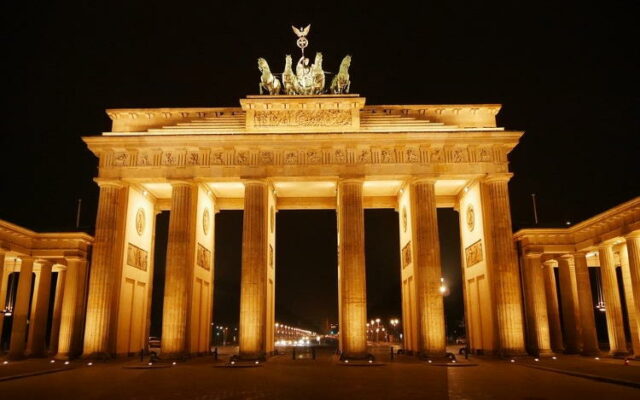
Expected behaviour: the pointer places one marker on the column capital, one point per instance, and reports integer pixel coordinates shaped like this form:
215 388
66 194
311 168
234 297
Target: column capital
497 177
580 253
181 182
74 258
44 262
422 179
606 245
632 235
533 254
26 258
106 182
255 181
350 179
566 256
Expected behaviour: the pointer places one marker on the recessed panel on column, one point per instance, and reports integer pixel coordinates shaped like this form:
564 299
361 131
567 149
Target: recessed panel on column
136 272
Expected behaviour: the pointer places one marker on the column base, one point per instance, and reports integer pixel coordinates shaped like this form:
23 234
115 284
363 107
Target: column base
16 357
99 356
545 353
619 354
179 356
590 353
432 355
356 356
248 357
512 353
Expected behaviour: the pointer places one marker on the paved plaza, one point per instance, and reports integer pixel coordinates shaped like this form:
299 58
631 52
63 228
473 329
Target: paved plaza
323 378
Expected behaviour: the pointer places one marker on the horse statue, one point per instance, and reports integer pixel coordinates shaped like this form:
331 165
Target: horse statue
289 79
340 83
318 75
268 81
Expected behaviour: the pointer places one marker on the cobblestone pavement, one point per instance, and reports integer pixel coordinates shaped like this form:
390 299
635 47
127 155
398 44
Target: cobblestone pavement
324 378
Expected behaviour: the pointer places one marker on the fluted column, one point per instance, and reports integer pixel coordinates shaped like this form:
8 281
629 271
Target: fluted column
502 264
629 296
3 288
179 268
569 296
427 269
351 269
253 290
105 271
72 313
38 322
536 302
21 310
553 310
615 326
57 312
633 256
585 300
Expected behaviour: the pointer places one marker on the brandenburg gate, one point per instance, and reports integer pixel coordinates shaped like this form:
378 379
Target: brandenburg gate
284 152
297 147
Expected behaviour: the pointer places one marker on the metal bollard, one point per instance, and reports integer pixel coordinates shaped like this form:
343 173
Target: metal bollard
293 357
313 353
215 354
141 355
392 353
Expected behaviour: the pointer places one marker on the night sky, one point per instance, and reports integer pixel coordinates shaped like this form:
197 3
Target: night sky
566 74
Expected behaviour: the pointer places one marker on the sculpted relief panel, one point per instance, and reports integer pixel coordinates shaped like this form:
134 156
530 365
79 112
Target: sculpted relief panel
405 154
295 118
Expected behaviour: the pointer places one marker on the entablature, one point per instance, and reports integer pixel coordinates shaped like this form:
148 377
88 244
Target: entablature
608 226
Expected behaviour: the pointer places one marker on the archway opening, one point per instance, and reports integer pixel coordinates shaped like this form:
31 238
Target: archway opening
226 284
306 294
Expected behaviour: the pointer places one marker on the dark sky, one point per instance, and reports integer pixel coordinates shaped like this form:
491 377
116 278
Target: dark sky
566 73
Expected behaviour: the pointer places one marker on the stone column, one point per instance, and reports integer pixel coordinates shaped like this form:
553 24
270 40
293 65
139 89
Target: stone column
57 312
179 268
633 256
536 302
502 264
569 296
585 300
72 313
105 271
253 290
427 269
3 289
351 270
629 296
553 310
38 322
21 310
615 326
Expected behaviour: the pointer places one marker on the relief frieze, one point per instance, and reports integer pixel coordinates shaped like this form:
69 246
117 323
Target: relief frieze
301 156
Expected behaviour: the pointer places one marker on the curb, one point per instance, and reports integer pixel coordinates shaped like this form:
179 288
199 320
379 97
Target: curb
36 373
587 376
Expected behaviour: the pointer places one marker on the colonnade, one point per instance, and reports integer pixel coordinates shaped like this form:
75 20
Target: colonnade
30 312
570 328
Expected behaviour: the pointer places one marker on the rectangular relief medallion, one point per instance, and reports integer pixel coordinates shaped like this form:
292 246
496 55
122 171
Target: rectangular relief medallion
203 257
473 254
136 257
406 255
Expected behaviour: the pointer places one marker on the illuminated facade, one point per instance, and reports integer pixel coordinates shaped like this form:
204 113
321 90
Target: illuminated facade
300 152
608 240
32 259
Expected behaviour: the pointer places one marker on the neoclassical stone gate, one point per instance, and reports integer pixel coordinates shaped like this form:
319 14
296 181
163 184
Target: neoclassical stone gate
300 152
